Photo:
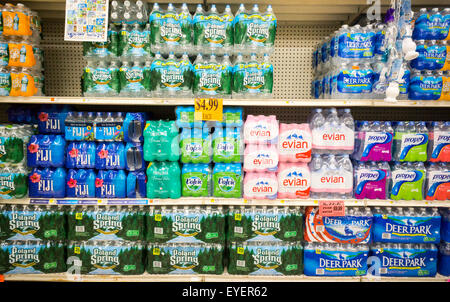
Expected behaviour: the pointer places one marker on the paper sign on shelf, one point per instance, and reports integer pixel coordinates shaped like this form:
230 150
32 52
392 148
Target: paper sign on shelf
331 208
86 20
208 109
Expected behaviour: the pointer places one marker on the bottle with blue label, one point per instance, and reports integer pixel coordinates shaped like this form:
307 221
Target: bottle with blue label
185 117
425 86
52 118
80 183
163 180
109 126
133 127
422 29
227 180
356 43
445 224
111 184
195 145
161 141
404 260
408 181
196 180
331 259
46 151
227 145
136 184
110 156
79 126
47 182
134 157
444 259
406 225
410 142
354 81
81 155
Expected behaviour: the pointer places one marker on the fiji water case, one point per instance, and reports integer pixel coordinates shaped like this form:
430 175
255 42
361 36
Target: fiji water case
46 151
110 184
80 183
80 155
110 156
47 182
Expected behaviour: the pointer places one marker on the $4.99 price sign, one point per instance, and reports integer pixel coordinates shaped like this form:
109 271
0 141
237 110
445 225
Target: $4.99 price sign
208 109
331 208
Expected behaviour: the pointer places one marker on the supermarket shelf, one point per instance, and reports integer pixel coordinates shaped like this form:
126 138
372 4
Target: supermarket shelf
207 278
212 201
227 102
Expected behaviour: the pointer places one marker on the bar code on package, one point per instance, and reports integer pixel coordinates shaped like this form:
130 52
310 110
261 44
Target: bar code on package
159 231
77 263
79 229
157 264
386 236
239 230
320 271
383 270
240 263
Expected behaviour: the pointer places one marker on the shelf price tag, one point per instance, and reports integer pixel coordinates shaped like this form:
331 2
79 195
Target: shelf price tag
208 109
331 208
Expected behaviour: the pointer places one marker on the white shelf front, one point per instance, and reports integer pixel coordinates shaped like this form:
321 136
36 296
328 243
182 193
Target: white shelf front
212 201
226 102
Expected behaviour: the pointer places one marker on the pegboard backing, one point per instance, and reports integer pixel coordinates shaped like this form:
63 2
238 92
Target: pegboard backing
292 60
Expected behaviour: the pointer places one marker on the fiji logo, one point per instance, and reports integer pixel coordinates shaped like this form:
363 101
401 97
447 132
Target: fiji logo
226 183
194 183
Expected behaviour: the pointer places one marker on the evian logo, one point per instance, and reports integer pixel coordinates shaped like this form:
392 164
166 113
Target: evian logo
263 159
263 186
260 130
296 140
295 179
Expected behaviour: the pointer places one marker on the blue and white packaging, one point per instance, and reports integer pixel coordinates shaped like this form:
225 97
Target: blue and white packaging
409 225
404 260
332 260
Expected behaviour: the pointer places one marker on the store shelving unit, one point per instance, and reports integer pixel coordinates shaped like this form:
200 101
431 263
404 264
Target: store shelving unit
210 278
302 25
212 201
226 102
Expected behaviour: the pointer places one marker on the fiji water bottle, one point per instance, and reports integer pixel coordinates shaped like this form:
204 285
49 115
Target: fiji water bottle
47 182
110 184
136 184
80 183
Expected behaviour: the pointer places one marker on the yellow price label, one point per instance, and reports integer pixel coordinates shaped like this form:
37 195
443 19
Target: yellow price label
240 250
318 252
77 250
156 251
158 217
237 216
78 216
208 109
